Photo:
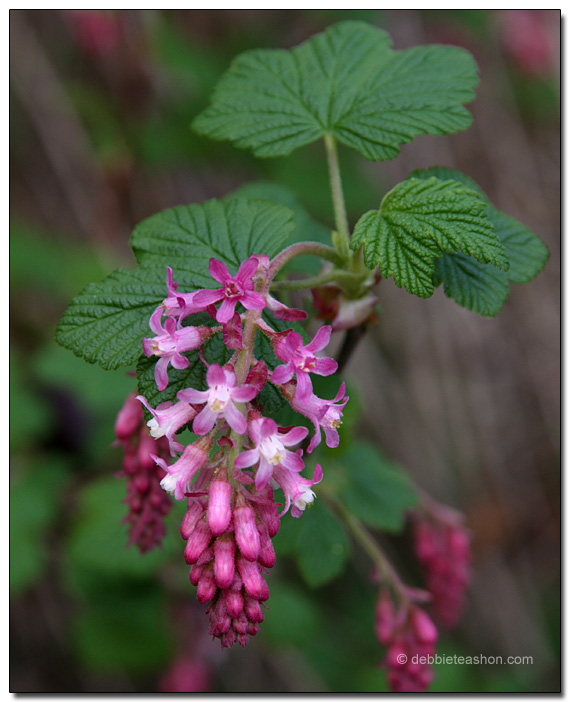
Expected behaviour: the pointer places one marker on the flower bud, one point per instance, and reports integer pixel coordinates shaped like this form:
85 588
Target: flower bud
207 585
266 556
234 603
220 506
224 562
247 535
252 580
198 541
195 511
129 419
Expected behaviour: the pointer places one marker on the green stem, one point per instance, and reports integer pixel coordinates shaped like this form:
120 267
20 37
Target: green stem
386 570
330 277
305 248
340 217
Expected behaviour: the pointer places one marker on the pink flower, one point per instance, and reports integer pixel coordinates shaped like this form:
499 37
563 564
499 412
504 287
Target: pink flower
444 551
325 414
167 419
180 474
270 450
219 400
170 342
179 304
410 637
301 360
235 289
297 490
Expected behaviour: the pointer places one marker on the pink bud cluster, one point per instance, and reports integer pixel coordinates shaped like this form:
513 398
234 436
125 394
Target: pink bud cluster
410 637
228 545
444 550
229 472
148 503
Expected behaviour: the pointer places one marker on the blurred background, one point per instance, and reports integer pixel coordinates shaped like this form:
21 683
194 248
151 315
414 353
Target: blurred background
100 106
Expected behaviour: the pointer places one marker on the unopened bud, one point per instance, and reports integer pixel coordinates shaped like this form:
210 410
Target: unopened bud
224 560
198 541
220 506
247 535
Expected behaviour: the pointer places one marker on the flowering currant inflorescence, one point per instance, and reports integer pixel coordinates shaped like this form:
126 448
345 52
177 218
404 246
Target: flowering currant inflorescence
229 473
148 503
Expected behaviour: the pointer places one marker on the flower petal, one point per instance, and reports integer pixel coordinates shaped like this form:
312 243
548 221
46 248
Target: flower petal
226 311
282 374
235 418
204 422
194 397
264 473
325 366
294 436
160 373
321 339
155 321
247 459
244 393
219 271
215 375
208 297
253 300
247 269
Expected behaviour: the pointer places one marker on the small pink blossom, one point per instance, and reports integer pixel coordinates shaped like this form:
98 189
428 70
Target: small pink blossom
180 474
219 399
170 342
270 450
301 360
297 490
167 419
325 415
238 288
178 304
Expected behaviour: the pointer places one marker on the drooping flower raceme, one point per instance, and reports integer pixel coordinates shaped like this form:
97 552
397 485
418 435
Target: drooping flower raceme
229 473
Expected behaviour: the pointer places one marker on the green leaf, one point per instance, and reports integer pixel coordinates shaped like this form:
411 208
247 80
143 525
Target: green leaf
125 633
306 228
527 253
480 287
347 82
186 237
417 222
322 546
107 321
378 491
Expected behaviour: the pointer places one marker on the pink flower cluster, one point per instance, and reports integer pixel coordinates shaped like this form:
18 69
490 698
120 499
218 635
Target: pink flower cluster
410 637
148 503
229 472
444 550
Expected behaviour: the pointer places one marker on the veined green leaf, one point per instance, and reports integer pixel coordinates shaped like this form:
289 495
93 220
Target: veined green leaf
480 287
477 286
186 237
418 221
107 321
378 491
347 82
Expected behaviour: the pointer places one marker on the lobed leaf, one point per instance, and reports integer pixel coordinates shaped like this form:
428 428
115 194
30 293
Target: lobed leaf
378 491
480 287
418 221
475 285
107 321
345 81
186 237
